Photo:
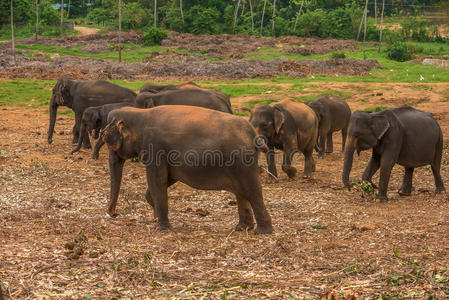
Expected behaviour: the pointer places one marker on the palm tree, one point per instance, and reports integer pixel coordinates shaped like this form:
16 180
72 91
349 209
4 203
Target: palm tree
236 11
381 25
252 15
120 31
263 14
297 16
274 15
155 13
37 19
13 41
62 15
180 8
363 18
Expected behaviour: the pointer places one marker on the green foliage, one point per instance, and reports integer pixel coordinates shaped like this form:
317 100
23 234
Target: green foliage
202 20
153 36
338 55
134 16
399 51
376 109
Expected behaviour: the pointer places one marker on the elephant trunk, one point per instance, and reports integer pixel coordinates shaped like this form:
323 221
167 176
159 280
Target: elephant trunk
349 156
80 139
53 110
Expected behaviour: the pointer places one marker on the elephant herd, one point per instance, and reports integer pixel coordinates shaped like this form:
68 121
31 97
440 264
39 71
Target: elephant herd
185 133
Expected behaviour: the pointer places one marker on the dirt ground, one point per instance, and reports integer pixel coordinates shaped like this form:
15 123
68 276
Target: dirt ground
57 242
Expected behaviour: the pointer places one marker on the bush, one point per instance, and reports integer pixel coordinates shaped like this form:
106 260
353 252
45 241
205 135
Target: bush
153 36
202 20
338 55
399 51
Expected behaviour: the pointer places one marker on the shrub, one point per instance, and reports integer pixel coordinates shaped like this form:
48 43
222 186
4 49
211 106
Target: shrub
399 51
202 20
153 36
337 55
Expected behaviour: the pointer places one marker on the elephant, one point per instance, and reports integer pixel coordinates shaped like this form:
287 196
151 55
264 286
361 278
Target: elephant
94 119
79 95
289 126
405 136
156 88
194 97
333 115
207 150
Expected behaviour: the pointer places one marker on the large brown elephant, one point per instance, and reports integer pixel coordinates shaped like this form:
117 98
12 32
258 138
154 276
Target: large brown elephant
333 115
79 95
207 150
289 126
405 136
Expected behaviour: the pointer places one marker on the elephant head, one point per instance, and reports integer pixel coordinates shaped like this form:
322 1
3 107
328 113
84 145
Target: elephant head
267 120
364 132
119 136
61 95
145 100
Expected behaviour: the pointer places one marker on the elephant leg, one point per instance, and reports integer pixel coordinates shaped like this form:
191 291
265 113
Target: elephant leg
329 143
344 134
249 196
75 133
371 169
157 191
309 164
437 177
386 165
86 141
98 145
148 194
271 162
322 144
406 188
287 162
246 220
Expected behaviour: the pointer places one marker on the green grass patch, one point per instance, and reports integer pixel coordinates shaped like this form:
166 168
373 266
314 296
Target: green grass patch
26 92
239 90
26 31
251 103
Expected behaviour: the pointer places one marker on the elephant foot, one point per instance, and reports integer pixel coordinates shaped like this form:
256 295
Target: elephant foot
307 175
382 197
290 171
320 155
162 226
329 151
244 226
95 155
401 192
263 229
87 146
440 189
112 214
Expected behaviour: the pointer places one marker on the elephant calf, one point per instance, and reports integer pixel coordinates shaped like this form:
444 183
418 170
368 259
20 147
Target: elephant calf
207 150
333 115
209 99
94 119
289 126
406 136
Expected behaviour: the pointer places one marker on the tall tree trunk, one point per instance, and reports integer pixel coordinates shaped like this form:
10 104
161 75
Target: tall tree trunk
375 11
62 15
274 16
263 14
155 13
297 16
366 17
13 40
37 20
68 10
381 25
120 31
361 21
236 11
252 15
180 8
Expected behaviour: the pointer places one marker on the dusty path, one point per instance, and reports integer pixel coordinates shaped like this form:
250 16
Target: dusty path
86 30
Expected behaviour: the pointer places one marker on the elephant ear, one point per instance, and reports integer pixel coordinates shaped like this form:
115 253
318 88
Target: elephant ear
112 135
279 119
379 125
96 118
